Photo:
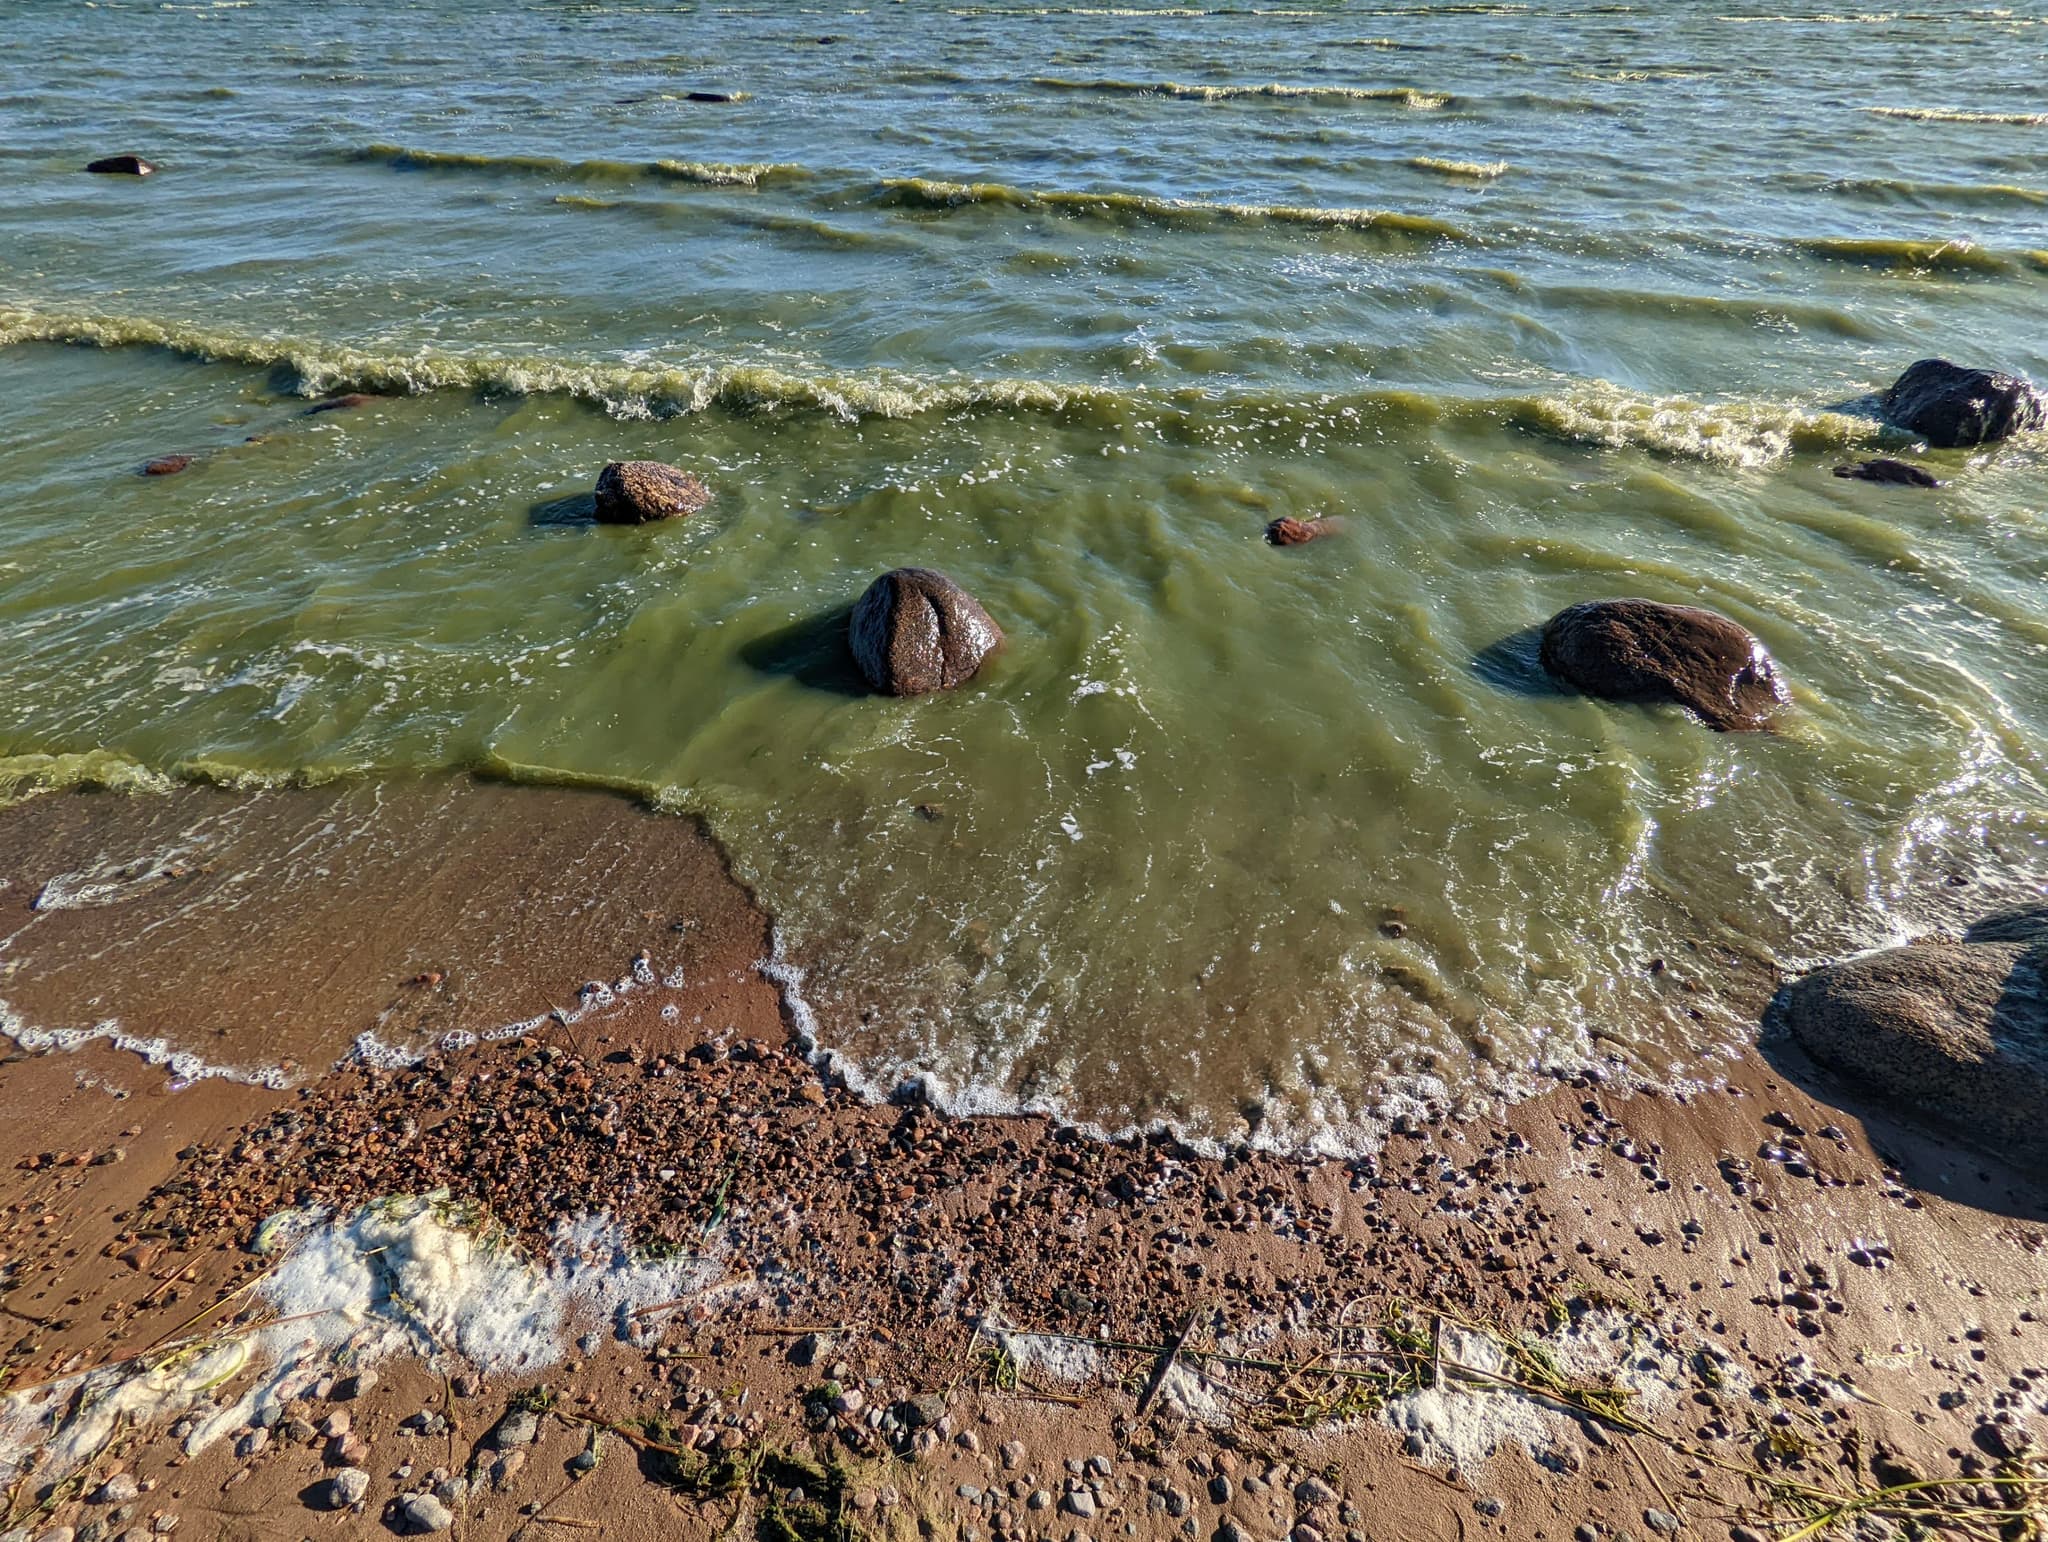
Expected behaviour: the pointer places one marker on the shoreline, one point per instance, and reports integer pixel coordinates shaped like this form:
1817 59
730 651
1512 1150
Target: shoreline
922 1311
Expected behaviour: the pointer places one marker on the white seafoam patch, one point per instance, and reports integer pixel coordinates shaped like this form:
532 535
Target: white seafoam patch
1463 1421
413 1274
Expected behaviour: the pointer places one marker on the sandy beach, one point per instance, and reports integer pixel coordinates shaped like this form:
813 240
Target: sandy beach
640 1268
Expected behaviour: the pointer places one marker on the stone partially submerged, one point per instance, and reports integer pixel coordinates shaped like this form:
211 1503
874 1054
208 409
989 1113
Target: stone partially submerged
1644 651
638 492
1951 407
1951 1033
120 166
915 631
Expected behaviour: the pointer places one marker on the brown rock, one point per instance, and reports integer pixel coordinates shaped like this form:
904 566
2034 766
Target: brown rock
120 166
1897 473
636 492
1299 532
1640 650
166 465
345 403
1952 1033
915 631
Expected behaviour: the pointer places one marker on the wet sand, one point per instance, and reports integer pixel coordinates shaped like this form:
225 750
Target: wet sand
897 1322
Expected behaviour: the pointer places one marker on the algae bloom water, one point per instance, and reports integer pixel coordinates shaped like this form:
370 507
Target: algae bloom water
1540 302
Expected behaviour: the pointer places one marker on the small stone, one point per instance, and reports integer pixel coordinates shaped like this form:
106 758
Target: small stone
1220 1489
1313 1491
420 1514
335 1424
1661 1521
252 1444
1489 1506
351 1387
1012 1453
346 1488
120 166
1039 1500
162 466
120 1489
1080 1502
506 1468
519 1427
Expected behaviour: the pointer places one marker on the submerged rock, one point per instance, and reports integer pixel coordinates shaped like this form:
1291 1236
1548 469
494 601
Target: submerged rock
1950 406
915 630
166 465
1897 473
637 492
345 403
1953 1033
1288 531
1640 650
120 166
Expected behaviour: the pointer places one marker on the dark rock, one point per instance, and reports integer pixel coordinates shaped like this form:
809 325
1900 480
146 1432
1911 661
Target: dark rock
346 403
1953 1033
1299 532
637 492
1640 650
1897 473
710 96
1950 406
916 630
121 166
166 465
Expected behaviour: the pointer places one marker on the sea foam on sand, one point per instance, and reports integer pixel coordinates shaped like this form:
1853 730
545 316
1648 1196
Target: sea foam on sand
415 1274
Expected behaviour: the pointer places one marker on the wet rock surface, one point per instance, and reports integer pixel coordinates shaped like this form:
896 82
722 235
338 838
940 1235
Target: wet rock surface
1889 472
121 166
1952 1033
1951 406
1299 532
915 630
1644 651
639 492
166 465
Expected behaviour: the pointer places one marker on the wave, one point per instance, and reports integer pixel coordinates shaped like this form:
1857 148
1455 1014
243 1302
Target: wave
1403 96
1597 413
1907 256
1936 194
703 173
1953 115
929 193
1737 310
1477 171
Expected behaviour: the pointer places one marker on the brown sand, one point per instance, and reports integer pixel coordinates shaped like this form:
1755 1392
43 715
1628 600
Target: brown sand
1841 1302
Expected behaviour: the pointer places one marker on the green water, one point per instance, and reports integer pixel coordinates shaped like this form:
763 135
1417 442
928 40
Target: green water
1546 302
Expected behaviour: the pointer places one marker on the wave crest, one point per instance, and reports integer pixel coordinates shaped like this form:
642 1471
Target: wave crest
931 193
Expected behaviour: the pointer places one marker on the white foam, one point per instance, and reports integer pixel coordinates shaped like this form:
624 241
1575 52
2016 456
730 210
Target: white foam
183 1065
413 1274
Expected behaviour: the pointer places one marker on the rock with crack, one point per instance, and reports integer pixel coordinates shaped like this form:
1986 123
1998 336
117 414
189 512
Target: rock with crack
915 631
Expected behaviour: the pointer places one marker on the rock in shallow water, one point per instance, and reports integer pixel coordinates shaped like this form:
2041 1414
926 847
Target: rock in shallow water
1952 1033
166 465
916 631
120 166
1884 469
637 492
1950 406
1640 650
1299 532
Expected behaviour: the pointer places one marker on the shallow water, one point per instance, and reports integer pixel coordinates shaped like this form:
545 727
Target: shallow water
1545 302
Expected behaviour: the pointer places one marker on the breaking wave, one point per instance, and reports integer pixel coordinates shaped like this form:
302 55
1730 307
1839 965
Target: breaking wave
1589 412
1400 96
928 193
1952 115
704 173
1477 171
1907 256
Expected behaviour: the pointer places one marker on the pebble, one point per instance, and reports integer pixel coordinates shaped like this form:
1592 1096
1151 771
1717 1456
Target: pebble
351 1387
347 1488
1012 1453
519 1427
423 1513
1661 1520
1489 1506
1313 1491
120 1489
1080 1502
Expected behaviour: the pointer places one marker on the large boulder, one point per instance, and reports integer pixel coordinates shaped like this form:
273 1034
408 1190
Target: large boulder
1640 650
1950 406
636 492
1954 1034
120 166
916 631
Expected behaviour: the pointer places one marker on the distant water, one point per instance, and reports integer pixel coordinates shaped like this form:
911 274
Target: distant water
1546 301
